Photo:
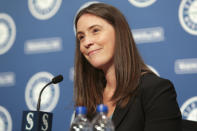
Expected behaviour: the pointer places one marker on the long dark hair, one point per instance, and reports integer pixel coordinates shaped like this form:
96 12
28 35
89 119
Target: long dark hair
89 82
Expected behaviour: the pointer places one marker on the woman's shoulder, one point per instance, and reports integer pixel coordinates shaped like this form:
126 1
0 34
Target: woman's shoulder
150 81
152 86
158 99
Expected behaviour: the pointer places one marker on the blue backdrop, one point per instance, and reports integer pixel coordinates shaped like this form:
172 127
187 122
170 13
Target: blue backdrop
37 42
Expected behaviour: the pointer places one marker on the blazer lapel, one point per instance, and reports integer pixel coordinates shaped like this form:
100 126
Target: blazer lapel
119 114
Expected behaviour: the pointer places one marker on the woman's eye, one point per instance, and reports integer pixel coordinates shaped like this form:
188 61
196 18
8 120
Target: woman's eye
95 30
80 37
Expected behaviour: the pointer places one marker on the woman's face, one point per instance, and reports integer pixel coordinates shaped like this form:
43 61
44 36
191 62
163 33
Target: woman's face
97 40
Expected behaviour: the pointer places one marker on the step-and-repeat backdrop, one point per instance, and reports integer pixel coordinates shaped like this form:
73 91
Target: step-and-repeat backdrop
37 42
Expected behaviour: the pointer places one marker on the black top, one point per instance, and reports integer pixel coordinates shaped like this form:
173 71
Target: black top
153 108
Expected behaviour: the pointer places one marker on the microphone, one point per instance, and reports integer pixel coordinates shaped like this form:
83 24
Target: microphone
55 80
38 120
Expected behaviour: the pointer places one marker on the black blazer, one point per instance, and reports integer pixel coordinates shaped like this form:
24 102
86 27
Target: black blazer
153 108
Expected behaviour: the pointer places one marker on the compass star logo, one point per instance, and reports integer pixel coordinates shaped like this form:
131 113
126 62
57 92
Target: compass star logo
188 16
7 32
189 109
142 3
5 120
50 96
44 9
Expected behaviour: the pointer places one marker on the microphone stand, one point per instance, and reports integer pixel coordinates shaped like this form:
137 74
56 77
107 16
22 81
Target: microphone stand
38 120
39 98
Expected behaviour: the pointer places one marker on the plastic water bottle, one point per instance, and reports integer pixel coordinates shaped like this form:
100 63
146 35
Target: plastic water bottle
81 123
101 122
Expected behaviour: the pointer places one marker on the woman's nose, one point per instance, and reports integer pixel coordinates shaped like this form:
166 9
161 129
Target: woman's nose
88 43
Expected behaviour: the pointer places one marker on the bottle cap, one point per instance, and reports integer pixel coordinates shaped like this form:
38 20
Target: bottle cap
81 110
102 108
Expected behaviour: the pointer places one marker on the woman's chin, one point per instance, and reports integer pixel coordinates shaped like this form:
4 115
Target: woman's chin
97 64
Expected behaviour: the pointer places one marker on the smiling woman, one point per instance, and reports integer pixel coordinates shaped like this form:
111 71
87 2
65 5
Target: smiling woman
97 40
109 70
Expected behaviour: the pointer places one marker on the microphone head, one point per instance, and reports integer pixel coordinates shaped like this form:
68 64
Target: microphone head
57 79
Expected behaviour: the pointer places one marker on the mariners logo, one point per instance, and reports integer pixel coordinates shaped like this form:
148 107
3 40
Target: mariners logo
44 9
189 109
5 120
142 3
188 16
7 32
50 95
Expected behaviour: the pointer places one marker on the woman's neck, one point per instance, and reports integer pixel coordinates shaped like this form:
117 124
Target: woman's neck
109 90
110 77
110 85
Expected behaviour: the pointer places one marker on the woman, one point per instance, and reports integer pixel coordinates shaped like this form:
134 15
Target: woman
109 70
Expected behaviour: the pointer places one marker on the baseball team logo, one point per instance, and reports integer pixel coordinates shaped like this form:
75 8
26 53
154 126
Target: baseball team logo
189 109
50 95
44 9
142 3
7 32
188 16
5 120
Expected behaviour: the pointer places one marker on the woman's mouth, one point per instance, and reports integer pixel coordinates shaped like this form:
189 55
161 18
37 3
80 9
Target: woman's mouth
93 52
